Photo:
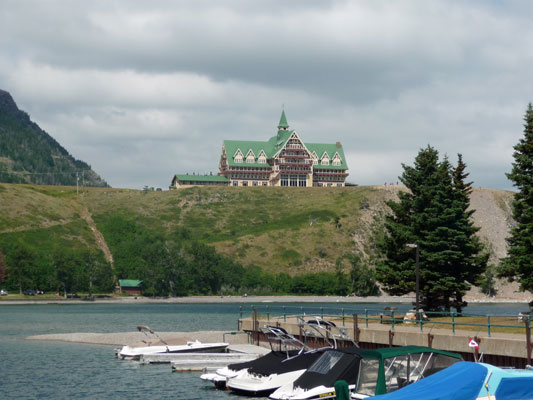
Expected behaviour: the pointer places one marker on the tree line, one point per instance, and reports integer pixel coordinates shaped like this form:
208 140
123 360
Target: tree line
173 265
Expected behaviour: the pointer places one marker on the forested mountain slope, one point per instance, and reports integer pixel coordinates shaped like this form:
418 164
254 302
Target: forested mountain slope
30 155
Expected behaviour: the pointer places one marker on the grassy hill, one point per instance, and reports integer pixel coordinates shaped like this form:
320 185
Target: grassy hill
293 230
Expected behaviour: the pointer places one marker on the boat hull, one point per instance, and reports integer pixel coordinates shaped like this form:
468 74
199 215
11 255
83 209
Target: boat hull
135 353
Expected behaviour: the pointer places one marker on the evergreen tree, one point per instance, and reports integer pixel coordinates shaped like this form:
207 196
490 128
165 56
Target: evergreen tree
433 215
519 261
20 260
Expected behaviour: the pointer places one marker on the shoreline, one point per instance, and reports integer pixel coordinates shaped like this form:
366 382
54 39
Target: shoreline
251 300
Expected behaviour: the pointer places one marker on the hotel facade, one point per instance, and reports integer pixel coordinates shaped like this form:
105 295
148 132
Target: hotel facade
282 160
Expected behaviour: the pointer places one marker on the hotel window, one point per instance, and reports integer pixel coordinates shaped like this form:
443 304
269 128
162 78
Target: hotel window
254 183
294 180
245 183
238 159
284 180
235 183
265 183
336 161
339 184
325 161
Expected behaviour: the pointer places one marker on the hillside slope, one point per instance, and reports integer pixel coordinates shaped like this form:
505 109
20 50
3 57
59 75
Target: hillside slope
293 230
30 155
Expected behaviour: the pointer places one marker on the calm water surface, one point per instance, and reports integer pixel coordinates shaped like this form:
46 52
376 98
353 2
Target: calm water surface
43 370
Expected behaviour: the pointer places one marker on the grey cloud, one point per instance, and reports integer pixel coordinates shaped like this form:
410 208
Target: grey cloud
384 78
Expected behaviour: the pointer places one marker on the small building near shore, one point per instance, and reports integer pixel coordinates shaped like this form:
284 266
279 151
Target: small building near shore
130 286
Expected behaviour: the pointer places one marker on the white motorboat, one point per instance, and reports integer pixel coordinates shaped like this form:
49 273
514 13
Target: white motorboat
135 352
262 380
283 347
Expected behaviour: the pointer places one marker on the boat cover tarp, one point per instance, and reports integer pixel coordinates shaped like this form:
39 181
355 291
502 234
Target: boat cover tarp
275 365
519 388
272 358
463 380
345 368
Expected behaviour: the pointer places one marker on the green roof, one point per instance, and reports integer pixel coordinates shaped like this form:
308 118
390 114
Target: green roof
330 150
202 178
274 145
283 121
129 283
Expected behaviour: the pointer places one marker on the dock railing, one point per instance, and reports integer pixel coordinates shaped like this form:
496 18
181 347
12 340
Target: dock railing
489 323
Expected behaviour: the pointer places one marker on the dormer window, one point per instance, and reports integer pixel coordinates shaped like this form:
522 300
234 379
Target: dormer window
336 160
315 158
250 157
262 159
237 158
325 159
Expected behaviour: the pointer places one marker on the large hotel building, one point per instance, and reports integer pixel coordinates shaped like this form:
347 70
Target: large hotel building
283 160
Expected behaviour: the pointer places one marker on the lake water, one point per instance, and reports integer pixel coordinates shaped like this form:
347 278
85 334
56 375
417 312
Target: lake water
43 370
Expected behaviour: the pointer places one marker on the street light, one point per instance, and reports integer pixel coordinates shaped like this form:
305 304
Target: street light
415 246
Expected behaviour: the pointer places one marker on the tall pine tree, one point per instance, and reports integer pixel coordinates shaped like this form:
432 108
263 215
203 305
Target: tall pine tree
519 261
433 215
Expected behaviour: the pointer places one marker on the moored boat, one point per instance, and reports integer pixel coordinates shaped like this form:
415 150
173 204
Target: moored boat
262 380
135 352
469 381
391 368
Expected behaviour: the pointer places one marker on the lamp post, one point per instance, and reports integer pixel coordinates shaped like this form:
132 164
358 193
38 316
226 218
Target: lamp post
415 246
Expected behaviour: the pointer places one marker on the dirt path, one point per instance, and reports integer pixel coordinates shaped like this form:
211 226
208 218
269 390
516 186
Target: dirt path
86 216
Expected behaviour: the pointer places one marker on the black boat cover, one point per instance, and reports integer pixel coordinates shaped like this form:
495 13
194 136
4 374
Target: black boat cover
277 365
272 358
332 366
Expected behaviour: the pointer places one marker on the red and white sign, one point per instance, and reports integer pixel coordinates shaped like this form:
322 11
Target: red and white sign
473 343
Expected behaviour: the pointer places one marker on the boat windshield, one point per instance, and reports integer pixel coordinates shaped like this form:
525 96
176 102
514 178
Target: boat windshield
400 371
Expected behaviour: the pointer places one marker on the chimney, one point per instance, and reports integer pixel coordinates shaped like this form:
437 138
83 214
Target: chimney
338 144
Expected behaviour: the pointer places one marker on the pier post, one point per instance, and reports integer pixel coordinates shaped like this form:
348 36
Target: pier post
528 340
356 329
256 327
430 340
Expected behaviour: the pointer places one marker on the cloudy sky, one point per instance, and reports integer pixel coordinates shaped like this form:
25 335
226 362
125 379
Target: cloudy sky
143 90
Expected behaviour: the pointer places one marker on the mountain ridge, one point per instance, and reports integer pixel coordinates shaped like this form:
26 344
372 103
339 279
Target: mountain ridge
28 154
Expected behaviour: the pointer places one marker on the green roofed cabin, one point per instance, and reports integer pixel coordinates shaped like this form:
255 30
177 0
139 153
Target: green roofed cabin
183 181
283 160
129 286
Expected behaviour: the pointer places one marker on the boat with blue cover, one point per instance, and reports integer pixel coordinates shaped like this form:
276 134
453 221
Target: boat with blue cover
469 381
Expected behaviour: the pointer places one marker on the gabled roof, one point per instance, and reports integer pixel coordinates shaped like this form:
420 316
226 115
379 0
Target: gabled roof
330 150
273 145
270 147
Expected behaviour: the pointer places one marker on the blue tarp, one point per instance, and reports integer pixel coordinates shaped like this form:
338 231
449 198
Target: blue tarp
463 380
520 388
